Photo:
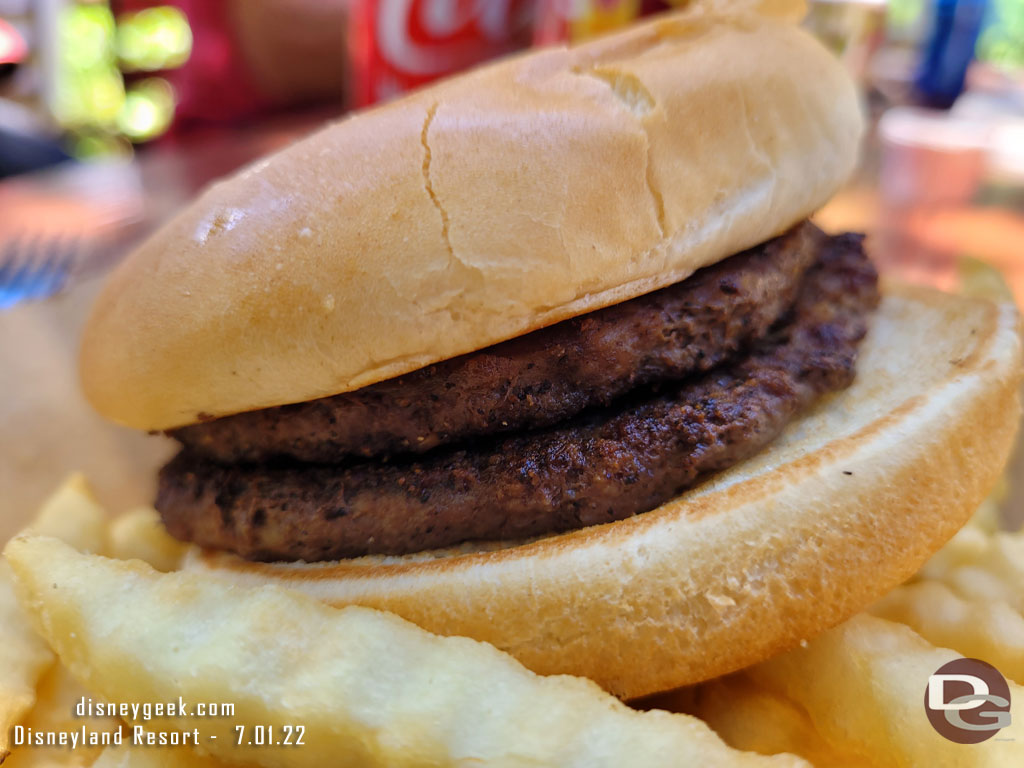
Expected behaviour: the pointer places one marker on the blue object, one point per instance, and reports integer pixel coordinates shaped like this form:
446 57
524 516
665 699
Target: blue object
948 50
34 268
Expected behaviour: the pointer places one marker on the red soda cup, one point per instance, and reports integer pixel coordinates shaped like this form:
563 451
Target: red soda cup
397 45
569 21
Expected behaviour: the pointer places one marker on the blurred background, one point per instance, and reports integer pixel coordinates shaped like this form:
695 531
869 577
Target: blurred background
113 114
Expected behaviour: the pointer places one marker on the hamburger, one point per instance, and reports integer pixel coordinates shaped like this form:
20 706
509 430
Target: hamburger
549 355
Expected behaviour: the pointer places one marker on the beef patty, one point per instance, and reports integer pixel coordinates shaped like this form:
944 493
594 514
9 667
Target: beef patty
603 465
535 380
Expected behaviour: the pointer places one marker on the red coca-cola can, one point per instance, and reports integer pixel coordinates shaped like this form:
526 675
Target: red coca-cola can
397 45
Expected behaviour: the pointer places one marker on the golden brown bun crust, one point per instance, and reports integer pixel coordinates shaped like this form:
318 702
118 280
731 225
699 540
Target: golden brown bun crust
527 192
849 502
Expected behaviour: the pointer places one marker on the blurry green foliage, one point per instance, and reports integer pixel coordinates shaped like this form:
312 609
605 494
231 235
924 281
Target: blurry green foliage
153 39
90 88
1002 41
903 17
91 100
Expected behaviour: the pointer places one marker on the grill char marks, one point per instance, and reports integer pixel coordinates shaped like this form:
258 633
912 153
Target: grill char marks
604 465
536 380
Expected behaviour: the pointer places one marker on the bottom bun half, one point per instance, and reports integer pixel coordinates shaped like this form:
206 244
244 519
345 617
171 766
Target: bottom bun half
846 504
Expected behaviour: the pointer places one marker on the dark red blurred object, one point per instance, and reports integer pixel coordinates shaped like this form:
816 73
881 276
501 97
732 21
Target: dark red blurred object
397 45
554 18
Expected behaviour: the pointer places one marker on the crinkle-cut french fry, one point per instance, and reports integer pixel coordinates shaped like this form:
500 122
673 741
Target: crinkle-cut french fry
24 657
752 718
981 279
140 535
978 583
995 573
988 516
1005 559
862 684
73 515
155 757
980 566
990 630
968 546
57 696
369 688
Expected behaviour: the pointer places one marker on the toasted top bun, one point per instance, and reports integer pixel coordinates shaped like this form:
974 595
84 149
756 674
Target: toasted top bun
521 194
846 504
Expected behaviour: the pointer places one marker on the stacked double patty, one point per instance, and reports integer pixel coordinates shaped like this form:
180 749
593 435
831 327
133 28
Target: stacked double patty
588 421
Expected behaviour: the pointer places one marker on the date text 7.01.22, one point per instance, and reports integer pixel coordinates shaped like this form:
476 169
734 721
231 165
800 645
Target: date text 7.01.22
265 735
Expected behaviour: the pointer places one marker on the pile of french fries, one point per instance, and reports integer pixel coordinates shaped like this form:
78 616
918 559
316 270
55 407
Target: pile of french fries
94 610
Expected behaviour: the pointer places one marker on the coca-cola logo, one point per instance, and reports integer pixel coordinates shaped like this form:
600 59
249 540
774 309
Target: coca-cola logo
435 37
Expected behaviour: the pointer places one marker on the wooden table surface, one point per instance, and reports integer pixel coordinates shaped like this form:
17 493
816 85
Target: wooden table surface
46 428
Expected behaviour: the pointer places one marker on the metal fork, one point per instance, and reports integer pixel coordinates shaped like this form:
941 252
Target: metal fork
35 267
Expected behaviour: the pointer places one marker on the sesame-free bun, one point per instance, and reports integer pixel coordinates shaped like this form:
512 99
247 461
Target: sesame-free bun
846 504
510 198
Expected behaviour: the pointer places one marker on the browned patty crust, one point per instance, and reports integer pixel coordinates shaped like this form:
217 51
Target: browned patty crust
604 465
536 380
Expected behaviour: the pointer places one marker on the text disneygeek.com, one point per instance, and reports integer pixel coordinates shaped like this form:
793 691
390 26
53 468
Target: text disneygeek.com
116 734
